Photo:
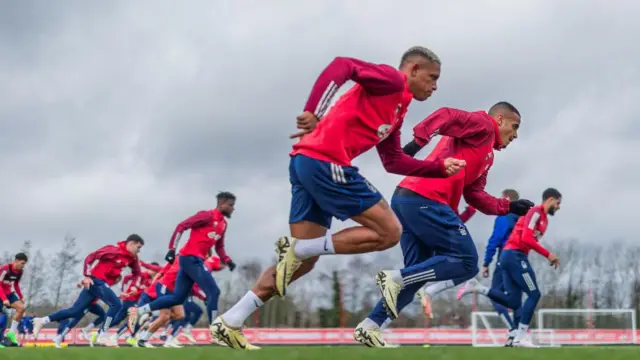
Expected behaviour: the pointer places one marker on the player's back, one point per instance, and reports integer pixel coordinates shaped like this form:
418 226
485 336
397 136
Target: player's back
170 276
477 154
357 122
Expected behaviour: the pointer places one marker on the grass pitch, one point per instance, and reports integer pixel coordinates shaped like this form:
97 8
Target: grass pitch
323 353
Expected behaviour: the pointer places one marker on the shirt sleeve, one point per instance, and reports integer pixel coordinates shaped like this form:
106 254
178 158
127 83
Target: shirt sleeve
375 79
4 269
531 222
454 123
222 253
149 266
16 287
476 196
468 212
95 256
500 228
201 218
395 161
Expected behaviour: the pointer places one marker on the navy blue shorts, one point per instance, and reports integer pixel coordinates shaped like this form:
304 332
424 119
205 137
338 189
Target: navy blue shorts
12 298
145 299
517 274
431 228
162 290
321 190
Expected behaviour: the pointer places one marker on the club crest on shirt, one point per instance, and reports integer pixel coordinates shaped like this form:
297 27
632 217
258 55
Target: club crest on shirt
213 235
383 131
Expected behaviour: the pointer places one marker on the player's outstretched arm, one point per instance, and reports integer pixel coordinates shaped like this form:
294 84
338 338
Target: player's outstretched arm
454 123
475 195
531 220
395 161
4 270
201 218
375 79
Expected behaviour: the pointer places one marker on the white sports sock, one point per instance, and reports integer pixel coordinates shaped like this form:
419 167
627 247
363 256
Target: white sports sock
144 309
396 276
214 315
522 330
236 316
89 326
45 320
14 326
435 288
386 324
307 248
155 313
369 324
147 335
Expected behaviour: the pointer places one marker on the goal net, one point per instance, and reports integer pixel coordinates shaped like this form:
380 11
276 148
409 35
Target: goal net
588 326
488 329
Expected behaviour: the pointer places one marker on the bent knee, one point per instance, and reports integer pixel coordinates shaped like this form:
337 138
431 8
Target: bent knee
390 234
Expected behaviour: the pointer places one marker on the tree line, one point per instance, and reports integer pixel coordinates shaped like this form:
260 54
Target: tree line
592 275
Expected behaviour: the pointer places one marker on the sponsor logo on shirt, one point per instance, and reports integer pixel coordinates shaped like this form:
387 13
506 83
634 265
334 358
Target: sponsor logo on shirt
383 131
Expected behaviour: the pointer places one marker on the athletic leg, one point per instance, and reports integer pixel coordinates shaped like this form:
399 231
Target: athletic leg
82 302
104 293
201 276
439 228
497 283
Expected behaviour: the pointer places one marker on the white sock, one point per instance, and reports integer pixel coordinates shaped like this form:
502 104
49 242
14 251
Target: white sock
14 326
236 316
144 309
89 326
482 290
214 315
369 324
45 320
396 276
147 335
386 324
513 333
169 339
437 287
155 313
306 248
59 338
522 330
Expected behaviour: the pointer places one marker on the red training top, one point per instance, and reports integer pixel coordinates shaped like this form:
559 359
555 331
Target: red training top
369 114
107 263
133 286
528 231
207 229
469 136
10 281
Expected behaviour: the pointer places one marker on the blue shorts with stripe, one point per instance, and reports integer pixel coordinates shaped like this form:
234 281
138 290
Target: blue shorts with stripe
517 274
321 190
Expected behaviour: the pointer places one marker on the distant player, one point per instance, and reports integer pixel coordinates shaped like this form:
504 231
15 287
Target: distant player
324 182
10 293
207 231
517 273
436 245
102 269
26 326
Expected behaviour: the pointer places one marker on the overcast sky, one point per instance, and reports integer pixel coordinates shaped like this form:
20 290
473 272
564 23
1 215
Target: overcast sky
128 116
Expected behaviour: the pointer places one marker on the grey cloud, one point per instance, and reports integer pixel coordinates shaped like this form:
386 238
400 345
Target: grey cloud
119 117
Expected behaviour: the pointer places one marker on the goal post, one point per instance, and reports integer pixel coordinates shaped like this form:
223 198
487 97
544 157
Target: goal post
488 329
589 326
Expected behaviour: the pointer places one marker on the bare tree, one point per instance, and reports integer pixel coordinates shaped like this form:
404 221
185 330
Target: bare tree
35 278
64 261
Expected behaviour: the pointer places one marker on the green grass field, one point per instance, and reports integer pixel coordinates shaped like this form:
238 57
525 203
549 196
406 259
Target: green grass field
318 352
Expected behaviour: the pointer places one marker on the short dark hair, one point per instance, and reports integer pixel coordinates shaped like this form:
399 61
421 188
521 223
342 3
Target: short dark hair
422 52
225 195
155 263
511 194
551 193
502 106
21 257
135 238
